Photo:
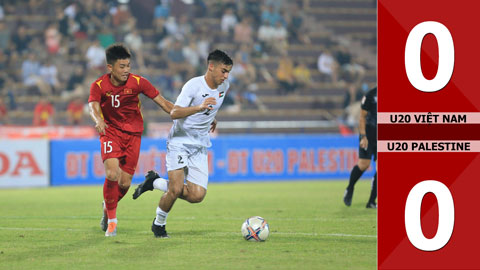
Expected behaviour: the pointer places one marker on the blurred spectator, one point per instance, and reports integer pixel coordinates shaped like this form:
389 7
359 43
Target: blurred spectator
62 19
106 37
302 75
185 27
4 36
99 16
71 10
75 111
203 43
353 72
177 62
181 7
273 38
52 38
275 4
162 9
243 32
81 20
200 9
2 13
135 42
10 88
95 56
296 27
192 55
228 22
266 33
280 37
3 112
243 77
143 11
344 59
159 33
351 104
285 76
172 26
21 38
271 16
44 113
120 18
49 74
75 82
327 65
31 75
3 65
37 47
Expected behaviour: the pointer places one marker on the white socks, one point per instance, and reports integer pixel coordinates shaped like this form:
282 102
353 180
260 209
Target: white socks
112 220
161 184
161 218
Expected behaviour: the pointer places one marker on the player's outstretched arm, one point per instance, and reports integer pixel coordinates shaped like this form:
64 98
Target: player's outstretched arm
182 112
166 105
96 114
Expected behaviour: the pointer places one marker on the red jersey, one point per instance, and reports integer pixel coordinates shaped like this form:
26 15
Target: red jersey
75 109
120 104
42 114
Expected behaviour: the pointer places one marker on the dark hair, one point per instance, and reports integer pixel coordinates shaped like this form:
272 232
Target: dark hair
115 52
219 57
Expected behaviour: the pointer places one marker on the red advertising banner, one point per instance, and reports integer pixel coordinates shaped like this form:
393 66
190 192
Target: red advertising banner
49 132
429 133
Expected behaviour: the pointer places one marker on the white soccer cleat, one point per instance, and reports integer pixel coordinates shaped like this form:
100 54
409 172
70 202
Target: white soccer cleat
111 230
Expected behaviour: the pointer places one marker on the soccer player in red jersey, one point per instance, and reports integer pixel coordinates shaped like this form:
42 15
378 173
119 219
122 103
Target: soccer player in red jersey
115 108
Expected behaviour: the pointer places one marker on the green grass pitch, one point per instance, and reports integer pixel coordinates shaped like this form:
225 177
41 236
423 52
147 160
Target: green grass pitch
310 228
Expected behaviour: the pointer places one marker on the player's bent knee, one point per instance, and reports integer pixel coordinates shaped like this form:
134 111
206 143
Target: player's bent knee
363 164
111 175
123 185
196 198
175 191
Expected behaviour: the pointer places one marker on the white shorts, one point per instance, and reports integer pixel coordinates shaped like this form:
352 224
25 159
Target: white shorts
194 158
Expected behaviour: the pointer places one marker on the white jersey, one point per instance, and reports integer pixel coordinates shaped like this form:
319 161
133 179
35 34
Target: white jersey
194 128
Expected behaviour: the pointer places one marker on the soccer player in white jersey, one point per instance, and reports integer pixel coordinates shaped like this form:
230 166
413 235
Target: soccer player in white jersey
193 117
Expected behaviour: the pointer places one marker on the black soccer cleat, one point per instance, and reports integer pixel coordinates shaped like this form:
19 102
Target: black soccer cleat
347 197
371 205
159 231
146 185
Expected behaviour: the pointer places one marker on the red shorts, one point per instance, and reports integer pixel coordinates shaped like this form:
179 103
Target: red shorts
122 145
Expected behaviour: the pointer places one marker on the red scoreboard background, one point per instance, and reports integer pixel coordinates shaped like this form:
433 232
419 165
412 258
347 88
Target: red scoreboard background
428 67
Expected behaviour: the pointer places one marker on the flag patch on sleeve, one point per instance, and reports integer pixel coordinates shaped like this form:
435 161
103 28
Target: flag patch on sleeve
221 94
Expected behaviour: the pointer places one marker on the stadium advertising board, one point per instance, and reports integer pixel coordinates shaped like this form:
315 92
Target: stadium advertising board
429 136
231 158
24 163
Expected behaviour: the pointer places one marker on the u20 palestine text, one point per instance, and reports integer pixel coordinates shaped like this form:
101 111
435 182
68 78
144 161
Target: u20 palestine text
428 146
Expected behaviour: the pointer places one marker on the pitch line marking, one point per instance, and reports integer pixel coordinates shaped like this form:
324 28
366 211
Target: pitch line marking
218 233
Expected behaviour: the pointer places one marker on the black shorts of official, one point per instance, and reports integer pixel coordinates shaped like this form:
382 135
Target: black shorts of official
372 145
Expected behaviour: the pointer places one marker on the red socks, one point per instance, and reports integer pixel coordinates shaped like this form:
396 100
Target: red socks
111 195
122 192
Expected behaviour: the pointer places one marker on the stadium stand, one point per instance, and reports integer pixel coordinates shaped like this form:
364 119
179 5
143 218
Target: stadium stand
65 32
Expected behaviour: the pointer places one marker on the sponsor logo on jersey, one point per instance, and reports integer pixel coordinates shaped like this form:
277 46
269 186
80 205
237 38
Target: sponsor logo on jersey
127 91
108 94
221 94
204 95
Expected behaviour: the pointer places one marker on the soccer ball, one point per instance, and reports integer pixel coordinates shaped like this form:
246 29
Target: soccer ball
255 229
